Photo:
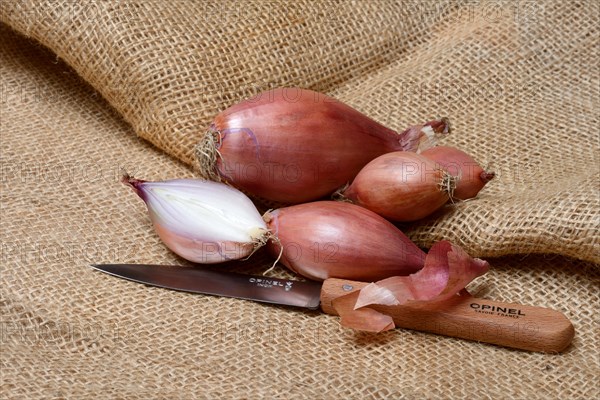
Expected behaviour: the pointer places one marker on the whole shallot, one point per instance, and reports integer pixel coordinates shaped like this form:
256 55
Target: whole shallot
400 186
294 145
329 239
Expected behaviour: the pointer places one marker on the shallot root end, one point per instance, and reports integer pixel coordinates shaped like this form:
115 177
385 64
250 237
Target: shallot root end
267 237
207 153
339 195
448 184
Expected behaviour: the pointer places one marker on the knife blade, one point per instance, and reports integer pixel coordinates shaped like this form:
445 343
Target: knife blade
506 324
220 283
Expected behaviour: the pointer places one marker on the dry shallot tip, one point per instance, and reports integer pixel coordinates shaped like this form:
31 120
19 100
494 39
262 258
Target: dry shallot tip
132 182
267 216
486 176
207 153
258 243
441 126
428 134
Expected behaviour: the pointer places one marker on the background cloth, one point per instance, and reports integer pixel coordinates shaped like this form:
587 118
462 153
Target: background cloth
89 89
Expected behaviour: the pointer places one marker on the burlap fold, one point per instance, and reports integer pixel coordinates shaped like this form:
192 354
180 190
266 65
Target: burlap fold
520 82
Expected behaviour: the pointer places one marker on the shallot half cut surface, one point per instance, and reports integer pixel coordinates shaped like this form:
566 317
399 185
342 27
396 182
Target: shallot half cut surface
202 221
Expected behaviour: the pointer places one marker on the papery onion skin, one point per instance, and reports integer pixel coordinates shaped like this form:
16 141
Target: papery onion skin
329 239
202 221
293 145
471 177
448 269
400 186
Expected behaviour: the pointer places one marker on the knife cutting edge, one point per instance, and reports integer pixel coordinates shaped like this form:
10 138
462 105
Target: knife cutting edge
505 324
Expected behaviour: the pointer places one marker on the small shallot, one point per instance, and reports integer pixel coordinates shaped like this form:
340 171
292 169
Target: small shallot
400 186
328 239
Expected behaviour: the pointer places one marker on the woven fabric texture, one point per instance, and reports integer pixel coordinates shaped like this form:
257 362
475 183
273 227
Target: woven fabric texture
519 82
82 84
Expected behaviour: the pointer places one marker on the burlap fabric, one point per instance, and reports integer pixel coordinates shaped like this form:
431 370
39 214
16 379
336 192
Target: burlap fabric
519 80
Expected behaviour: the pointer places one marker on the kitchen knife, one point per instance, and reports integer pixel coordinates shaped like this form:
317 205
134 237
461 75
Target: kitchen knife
505 324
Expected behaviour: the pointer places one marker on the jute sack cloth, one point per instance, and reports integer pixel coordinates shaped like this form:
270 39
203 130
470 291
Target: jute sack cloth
68 332
519 82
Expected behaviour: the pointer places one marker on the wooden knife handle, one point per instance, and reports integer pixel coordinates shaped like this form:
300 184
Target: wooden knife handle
505 324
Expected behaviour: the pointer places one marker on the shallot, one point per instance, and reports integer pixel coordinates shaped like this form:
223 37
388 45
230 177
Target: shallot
328 239
400 186
202 221
294 145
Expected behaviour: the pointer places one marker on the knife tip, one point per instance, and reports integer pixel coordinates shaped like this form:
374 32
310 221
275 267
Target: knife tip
98 267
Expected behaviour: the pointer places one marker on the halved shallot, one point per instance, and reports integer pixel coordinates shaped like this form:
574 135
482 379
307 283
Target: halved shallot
293 145
448 269
202 221
328 239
